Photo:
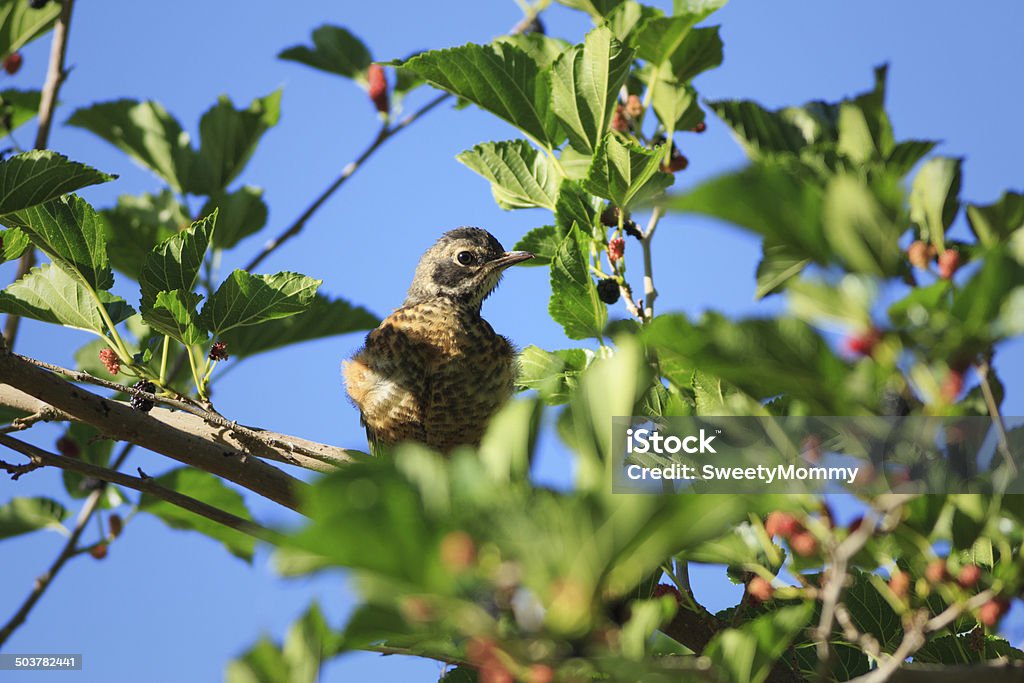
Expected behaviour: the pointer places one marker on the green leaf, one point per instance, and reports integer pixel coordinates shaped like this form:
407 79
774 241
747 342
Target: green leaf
627 21
995 222
21 24
146 132
500 78
779 264
965 648
575 205
262 663
702 50
626 173
542 242
228 138
662 38
24 515
174 313
861 234
69 231
542 48
776 204
175 262
676 105
574 302
935 198
335 50
18 107
765 133
309 642
553 374
211 490
699 7
51 295
239 214
521 177
137 224
36 177
871 613
324 318
585 83
595 8
245 299
906 154
13 243
977 304
92 448
748 653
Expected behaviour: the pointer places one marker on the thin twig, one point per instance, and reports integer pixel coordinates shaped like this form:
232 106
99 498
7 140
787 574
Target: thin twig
55 75
67 552
997 417
650 293
386 132
145 485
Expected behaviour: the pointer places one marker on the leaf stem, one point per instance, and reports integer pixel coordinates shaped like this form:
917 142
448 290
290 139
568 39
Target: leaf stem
163 359
195 373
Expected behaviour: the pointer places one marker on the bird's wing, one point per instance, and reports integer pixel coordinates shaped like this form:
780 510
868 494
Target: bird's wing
388 380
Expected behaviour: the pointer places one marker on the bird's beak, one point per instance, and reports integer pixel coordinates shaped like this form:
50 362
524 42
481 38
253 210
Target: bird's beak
510 258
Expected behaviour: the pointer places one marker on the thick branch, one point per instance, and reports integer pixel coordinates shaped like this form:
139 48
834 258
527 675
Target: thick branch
55 75
204 447
144 485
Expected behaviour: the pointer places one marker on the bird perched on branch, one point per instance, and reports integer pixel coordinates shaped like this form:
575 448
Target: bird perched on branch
434 371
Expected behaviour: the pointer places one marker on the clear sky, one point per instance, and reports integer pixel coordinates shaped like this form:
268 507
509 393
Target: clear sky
171 606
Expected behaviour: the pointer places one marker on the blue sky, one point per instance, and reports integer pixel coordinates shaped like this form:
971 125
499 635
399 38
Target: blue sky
171 606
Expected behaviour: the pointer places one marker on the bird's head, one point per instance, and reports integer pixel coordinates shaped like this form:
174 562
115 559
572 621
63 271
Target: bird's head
465 266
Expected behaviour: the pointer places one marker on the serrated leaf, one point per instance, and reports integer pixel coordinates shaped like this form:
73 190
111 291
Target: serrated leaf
700 51
209 489
627 20
174 313
966 648
862 236
323 318
228 137
553 374
661 38
245 299
309 642
574 302
17 107
92 448
51 295
137 224
676 105
543 48
595 8
36 177
764 132
13 243
935 198
585 83
748 653
24 515
626 173
779 264
70 232
542 242
262 663
521 177
575 205
175 262
21 24
905 155
239 214
871 613
335 50
146 132
500 78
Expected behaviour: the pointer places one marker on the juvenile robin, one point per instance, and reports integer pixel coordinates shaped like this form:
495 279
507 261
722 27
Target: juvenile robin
435 371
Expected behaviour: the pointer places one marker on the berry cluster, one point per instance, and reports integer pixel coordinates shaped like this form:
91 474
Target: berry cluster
140 402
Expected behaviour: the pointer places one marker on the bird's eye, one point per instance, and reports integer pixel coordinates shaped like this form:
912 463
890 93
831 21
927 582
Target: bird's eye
464 258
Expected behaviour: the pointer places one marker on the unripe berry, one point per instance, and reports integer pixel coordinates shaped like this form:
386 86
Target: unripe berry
804 544
98 551
619 121
864 344
700 127
116 525
616 248
969 576
899 583
918 253
936 571
634 107
952 385
677 162
378 87
782 524
12 63
667 589
458 552
68 447
608 291
760 589
541 673
949 262
110 361
992 611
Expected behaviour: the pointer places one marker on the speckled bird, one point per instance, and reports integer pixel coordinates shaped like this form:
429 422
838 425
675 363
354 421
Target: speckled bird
434 371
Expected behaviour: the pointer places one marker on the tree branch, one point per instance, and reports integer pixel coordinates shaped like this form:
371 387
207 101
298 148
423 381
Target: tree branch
193 443
145 485
650 293
55 75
